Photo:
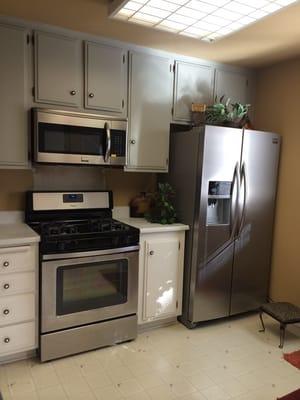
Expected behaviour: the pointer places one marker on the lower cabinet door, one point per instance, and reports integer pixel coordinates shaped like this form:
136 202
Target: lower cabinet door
17 259
161 278
17 283
18 308
16 338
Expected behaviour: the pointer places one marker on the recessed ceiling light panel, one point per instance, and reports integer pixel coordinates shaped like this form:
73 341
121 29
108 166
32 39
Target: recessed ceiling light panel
207 20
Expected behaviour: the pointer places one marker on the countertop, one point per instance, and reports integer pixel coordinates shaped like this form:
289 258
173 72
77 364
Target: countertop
17 234
148 227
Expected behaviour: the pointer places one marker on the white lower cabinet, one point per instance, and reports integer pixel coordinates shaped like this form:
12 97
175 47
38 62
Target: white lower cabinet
17 308
160 275
18 300
17 338
17 259
17 283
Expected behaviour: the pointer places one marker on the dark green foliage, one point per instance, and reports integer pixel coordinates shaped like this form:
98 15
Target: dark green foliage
162 210
225 113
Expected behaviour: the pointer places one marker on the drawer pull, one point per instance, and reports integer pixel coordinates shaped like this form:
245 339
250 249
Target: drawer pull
151 252
6 311
5 264
6 286
6 340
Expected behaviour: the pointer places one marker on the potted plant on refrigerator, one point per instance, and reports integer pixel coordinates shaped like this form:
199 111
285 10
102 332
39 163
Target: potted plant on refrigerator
225 113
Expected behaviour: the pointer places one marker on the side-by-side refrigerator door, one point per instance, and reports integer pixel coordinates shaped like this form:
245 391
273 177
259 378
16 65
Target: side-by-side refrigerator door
251 270
216 219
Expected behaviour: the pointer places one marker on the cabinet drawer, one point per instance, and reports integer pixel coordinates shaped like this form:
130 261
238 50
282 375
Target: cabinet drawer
15 259
14 309
17 283
17 338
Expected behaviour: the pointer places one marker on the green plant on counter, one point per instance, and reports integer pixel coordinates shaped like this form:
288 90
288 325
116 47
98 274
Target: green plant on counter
226 114
162 210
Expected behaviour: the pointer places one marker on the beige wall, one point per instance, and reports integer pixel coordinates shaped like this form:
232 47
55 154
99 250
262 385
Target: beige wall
13 185
259 43
125 185
278 109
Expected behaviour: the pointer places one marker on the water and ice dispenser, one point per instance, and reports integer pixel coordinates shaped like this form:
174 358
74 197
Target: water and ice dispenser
219 203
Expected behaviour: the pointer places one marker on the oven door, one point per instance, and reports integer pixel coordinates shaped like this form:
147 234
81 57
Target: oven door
79 291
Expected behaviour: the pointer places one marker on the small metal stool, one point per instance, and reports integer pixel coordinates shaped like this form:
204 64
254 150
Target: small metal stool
284 313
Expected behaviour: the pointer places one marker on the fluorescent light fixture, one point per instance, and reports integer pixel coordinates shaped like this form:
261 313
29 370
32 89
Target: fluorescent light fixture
208 20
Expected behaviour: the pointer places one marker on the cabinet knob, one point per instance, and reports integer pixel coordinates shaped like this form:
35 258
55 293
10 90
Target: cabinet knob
91 95
6 286
151 252
73 92
6 311
6 340
132 141
5 264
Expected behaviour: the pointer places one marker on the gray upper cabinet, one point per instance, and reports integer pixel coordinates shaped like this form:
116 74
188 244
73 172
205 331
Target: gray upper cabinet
58 69
150 102
233 85
105 78
13 85
193 84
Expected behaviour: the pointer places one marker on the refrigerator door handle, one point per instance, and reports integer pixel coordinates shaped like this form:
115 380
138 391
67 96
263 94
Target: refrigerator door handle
244 183
233 211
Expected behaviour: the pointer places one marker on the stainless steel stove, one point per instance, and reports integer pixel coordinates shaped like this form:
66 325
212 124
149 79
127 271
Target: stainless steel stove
88 272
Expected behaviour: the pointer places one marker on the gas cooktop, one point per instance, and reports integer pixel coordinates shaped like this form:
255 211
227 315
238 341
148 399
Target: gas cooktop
64 227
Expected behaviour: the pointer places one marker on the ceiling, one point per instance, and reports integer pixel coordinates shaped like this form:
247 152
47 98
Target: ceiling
273 39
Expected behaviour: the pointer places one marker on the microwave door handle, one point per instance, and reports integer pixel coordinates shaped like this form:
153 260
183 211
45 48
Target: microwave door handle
108 143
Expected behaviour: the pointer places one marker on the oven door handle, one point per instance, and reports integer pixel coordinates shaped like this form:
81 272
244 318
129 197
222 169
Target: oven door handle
61 256
108 142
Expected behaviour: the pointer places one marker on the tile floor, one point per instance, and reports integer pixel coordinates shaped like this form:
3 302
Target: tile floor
221 360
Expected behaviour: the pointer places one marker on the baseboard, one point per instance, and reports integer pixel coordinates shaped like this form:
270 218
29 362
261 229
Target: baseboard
17 357
156 324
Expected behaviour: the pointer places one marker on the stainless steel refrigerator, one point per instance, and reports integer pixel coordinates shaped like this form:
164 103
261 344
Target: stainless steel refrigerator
225 181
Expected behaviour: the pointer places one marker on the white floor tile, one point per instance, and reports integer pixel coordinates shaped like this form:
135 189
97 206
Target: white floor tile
108 393
149 381
215 393
129 387
162 392
201 380
221 360
182 387
52 393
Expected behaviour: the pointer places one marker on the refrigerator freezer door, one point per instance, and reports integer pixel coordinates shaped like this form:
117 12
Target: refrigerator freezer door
251 269
215 215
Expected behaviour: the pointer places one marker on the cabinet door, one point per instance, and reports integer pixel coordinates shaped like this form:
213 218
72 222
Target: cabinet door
149 112
13 115
233 85
193 84
105 78
16 338
161 278
58 68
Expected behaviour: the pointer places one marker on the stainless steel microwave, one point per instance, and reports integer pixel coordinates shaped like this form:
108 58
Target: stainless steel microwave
65 137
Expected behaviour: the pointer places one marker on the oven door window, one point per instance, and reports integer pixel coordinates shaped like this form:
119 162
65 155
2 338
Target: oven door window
65 139
90 286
